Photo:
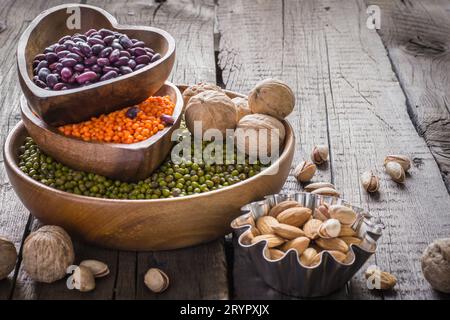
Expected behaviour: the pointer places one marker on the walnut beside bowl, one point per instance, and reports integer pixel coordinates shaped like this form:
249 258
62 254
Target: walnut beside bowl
126 162
78 104
158 224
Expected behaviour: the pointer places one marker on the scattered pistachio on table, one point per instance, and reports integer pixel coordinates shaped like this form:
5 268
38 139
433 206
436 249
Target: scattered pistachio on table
370 182
319 154
305 171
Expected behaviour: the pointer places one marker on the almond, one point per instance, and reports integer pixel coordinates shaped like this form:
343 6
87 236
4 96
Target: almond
275 254
385 280
321 212
332 244
330 229
265 224
351 240
277 209
308 256
287 231
311 228
338 255
326 191
299 244
318 185
272 240
244 220
347 231
295 216
344 214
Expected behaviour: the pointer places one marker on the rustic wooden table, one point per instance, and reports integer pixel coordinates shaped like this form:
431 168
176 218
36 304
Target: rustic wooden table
365 93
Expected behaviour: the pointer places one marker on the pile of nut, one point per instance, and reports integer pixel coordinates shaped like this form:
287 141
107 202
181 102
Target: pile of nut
288 225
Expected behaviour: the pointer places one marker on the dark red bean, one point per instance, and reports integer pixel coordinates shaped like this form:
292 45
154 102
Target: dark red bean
72 79
139 52
58 86
54 66
51 57
149 50
43 73
132 64
109 40
47 50
93 41
77 51
63 54
78 39
35 63
75 56
123 61
125 70
97 48
78 67
90 32
156 57
52 79
97 36
68 62
60 48
106 52
40 83
86 76
139 44
107 69
139 66
143 59
42 64
96 68
66 72
132 112
109 75
125 42
105 32
39 57
63 39
114 56
69 44
85 48
103 62
124 53
90 61
134 40
115 45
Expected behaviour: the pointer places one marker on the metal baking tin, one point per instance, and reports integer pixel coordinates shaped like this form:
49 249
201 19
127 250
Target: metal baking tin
287 275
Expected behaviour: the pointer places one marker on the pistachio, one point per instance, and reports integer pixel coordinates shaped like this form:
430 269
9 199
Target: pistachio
287 231
330 229
98 268
344 214
347 231
370 182
265 224
272 240
326 191
308 256
351 240
299 244
311 228
402 160
275 254
83 279
332 244
156 280
382 280
295 216
277 209
319 154
396 171
305 171
318 185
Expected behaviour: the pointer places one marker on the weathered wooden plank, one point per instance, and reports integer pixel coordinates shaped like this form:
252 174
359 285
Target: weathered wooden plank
14 18
361 93
198 272
246 58
415 34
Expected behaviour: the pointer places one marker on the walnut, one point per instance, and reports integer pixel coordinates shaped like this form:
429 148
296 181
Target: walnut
47 253
198 88
8 257
242 108
436 264
272 97
252 126
214 109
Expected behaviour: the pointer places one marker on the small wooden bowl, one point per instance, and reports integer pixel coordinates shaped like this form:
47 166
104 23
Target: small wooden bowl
126 162
144 224
75 105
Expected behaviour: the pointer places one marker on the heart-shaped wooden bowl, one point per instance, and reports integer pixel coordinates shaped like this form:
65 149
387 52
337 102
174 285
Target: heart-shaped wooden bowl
75 105
158 224
126 162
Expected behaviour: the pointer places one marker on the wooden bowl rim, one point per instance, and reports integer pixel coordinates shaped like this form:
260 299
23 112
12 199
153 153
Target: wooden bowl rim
9 158
40 92
177 113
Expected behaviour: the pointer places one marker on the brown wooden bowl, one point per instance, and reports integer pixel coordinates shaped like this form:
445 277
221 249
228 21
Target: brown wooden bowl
126 162
144 224
75 105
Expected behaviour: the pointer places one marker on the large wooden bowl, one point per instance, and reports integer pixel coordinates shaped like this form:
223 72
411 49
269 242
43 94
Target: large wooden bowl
126 162
144 224
75 105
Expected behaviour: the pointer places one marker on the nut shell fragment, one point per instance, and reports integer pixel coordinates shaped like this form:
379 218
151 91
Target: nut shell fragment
98 268
83 279
156 280
396 171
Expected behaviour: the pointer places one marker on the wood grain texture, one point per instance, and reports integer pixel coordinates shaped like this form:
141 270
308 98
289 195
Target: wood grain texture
360 94
416 36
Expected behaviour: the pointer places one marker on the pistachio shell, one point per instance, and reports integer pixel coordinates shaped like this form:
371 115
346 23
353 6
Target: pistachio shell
403 160
344 214
330 229
98 268
311 228
83 279
370 182
319 154
396 171
156 280
305 171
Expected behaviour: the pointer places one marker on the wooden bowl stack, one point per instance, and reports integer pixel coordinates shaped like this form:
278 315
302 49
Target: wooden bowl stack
156 224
